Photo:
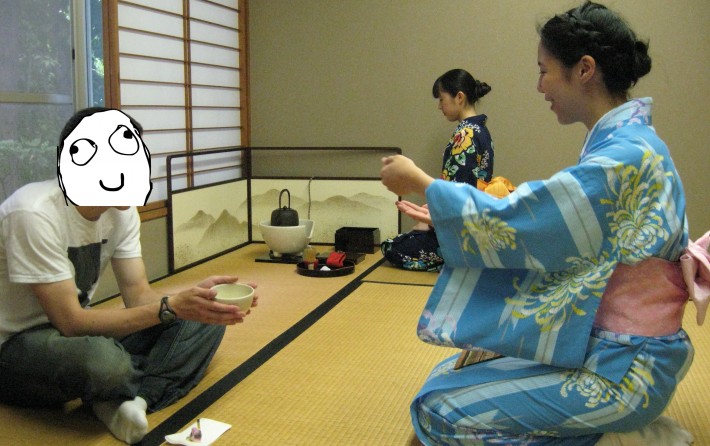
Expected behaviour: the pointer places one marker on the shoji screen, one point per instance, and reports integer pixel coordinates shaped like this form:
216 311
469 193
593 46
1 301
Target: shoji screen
179 76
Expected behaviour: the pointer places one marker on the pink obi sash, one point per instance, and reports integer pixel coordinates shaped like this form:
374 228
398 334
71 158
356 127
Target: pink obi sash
648 299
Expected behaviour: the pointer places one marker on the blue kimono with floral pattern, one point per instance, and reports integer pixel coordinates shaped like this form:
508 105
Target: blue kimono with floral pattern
524 276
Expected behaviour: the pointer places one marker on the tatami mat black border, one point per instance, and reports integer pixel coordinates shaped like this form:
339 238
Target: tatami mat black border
208 397
382 282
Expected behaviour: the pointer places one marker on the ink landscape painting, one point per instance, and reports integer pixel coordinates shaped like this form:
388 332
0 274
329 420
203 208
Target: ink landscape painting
331 204
208 221
211 220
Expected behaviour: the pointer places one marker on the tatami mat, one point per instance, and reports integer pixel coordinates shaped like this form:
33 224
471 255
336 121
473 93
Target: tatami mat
389 274
285 298
348 380
690 404
331 361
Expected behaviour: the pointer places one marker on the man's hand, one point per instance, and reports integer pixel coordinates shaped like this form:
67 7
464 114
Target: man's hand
217 280
198 304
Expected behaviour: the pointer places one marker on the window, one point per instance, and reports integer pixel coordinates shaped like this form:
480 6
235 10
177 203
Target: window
181 78
40 83
93 38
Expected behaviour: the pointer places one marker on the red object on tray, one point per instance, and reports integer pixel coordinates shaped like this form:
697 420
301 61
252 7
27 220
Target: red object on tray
335 259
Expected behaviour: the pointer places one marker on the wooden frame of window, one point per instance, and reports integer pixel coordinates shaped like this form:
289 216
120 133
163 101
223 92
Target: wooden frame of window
205 31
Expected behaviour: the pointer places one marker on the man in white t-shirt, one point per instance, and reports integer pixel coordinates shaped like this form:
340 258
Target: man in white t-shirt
54 347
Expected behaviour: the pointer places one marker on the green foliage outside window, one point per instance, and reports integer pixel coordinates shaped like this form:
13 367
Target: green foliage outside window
37 61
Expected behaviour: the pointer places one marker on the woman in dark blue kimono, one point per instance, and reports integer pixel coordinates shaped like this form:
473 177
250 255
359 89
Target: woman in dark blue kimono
468 158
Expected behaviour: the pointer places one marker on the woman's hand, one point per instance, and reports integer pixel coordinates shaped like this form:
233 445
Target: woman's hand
401 176
416 212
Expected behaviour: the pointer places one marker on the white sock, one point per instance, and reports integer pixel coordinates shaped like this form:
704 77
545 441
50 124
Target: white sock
126 420
663 431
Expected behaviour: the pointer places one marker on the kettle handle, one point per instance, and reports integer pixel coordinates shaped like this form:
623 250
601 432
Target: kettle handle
289 197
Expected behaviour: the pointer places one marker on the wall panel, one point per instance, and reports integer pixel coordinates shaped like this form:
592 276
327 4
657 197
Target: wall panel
143 43
151 69
158 22
216 76
149 94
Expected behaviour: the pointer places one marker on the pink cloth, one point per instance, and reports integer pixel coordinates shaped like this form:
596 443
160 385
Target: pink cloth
695 264
646 299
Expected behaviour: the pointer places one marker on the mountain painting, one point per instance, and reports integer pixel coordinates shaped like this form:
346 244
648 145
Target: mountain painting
331 204
211 220
208 221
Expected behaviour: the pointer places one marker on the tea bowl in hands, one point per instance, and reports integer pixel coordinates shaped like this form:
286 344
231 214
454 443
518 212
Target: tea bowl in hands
239 294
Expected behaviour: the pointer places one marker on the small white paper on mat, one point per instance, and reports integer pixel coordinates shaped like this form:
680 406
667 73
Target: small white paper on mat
211 430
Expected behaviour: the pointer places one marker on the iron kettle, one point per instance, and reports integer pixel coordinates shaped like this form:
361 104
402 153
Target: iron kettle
284 216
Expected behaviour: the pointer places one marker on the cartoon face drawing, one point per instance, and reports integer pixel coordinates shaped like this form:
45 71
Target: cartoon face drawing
104 162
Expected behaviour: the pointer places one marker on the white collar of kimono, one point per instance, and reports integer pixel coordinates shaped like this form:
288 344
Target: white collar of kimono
635 111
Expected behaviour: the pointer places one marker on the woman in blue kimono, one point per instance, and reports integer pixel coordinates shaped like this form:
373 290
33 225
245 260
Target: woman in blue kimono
570 287
468 158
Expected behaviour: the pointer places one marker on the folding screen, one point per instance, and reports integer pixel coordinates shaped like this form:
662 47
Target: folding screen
335 187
